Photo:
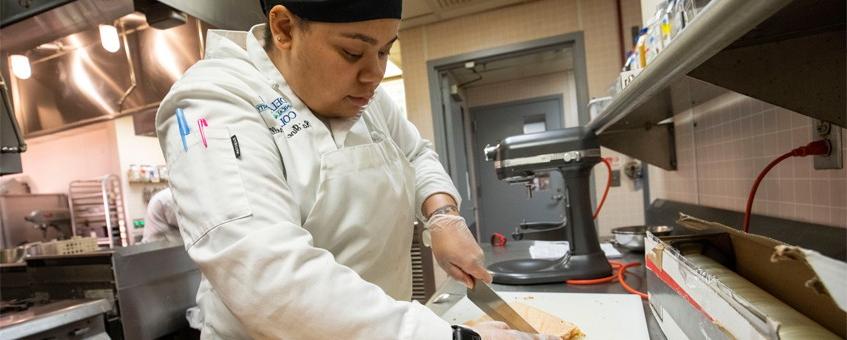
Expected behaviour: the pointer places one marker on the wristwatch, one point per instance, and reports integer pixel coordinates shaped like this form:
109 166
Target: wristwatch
464 333
426 238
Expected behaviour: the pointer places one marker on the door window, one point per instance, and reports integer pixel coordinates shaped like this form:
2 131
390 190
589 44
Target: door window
534 123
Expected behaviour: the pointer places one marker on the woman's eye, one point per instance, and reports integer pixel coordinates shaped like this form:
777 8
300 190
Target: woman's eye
351 54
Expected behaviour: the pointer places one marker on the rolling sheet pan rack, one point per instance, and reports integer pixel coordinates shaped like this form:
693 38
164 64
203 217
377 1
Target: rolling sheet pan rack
97 209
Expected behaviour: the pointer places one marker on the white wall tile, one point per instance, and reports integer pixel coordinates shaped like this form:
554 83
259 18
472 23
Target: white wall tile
734 137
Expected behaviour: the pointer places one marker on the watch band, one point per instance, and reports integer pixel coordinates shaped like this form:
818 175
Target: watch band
450 208
464 333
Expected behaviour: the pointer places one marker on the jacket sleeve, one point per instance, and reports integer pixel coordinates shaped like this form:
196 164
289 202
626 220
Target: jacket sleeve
241 225
430 176
155 220
160 219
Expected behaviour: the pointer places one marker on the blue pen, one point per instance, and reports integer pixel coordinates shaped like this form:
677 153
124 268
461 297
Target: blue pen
184 130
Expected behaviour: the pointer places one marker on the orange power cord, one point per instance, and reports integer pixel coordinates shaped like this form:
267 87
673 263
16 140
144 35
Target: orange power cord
620 274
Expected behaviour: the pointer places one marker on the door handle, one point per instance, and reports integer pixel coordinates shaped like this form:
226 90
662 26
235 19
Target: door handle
80 331
541 224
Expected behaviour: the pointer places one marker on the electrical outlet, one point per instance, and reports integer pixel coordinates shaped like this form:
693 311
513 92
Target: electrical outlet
616 178
832 133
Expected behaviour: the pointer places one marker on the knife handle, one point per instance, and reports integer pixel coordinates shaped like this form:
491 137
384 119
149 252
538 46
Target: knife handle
464 333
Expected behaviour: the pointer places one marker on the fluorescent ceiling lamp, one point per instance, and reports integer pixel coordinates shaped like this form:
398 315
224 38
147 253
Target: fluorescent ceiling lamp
109 38
391 70
20 66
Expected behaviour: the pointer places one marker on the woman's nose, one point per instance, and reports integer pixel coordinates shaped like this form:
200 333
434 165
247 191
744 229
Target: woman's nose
372 72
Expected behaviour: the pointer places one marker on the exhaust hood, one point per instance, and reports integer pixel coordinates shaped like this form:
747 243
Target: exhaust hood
29 23
75 81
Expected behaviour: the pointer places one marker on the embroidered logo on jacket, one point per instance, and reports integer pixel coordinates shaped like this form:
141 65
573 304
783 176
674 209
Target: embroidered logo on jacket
280 110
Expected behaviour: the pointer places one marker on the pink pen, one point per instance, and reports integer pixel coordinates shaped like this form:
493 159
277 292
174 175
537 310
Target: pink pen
201 123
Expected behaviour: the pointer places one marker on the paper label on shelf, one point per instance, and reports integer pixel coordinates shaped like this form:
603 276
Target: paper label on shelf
627 77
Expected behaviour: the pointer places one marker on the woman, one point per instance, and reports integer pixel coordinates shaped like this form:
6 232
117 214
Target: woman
297 181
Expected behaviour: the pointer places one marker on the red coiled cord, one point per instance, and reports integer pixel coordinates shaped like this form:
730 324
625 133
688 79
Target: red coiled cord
619 275
820 147
605 192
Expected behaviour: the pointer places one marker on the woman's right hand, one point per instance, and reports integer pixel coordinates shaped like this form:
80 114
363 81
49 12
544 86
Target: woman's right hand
496 330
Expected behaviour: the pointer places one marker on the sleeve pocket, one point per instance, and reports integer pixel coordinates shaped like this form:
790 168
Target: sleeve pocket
207 186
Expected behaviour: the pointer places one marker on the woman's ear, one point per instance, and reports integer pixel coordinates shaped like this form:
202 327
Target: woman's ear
281 22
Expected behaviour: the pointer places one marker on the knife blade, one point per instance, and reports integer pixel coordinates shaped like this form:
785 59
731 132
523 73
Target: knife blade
492 304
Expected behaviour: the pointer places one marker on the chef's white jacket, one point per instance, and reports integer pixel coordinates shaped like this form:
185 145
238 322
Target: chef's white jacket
285 214
160 219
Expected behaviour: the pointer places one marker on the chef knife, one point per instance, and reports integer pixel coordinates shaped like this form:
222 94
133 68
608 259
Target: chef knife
492 304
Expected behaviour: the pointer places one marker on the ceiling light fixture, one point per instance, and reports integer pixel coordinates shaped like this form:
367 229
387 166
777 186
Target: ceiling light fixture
20 66
109 38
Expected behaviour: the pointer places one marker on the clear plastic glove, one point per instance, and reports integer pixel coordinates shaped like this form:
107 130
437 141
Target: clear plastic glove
496 330
456 250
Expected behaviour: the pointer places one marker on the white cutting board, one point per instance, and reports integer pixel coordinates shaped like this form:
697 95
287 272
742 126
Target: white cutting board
599 316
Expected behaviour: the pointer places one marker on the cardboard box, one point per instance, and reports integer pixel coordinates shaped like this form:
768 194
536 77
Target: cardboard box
690 303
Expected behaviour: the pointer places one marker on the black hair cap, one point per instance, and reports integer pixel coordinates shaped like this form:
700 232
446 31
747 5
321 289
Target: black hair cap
339 10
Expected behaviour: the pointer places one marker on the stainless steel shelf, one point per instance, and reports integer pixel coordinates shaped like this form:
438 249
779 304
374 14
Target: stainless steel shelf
787 53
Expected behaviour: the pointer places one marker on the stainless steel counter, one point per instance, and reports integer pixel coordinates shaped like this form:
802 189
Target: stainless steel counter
452 291
43 318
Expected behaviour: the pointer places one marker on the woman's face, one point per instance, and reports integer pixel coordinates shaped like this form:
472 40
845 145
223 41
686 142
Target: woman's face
333 67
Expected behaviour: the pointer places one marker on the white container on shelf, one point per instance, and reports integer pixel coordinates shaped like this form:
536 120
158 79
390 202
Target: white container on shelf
597 105
133 174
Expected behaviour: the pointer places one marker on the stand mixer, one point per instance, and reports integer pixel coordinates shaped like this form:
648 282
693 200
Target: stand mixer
573 152
43 219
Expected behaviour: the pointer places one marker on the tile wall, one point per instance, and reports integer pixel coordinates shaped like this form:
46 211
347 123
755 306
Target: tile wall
723 144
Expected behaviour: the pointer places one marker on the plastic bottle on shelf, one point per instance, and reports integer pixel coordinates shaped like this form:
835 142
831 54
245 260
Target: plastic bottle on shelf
134 173
154 174
629 64
145 174
641 49
692 9
677 17
163 172
654 45
654 32
666 24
